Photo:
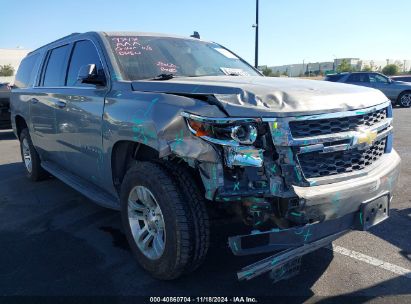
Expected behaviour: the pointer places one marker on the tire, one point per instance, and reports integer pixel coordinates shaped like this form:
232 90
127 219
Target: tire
30 158
172 228
191 191
404 100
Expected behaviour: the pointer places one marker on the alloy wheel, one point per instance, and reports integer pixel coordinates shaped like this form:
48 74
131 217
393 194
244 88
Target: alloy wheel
27 155
146 222
406 100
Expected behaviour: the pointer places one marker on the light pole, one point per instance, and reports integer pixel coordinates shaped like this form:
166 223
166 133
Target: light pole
334 63
256 34
303 68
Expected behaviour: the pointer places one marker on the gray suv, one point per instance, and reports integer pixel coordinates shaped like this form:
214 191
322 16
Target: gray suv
167 129
397 91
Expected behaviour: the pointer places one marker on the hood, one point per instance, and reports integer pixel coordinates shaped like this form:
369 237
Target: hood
269 96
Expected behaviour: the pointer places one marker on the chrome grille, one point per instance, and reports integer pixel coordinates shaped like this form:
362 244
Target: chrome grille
317 164
307 128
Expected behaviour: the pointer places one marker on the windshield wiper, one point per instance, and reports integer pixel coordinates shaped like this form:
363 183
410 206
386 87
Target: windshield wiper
163 77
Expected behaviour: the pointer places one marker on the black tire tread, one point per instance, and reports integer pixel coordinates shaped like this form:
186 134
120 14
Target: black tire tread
200 221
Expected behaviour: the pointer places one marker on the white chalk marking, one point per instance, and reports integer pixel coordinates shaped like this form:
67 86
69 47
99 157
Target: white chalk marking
372 261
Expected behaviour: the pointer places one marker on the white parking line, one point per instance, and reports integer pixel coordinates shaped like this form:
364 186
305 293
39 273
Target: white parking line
372 261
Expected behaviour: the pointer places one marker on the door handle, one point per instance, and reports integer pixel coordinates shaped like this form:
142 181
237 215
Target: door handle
60 104
34 100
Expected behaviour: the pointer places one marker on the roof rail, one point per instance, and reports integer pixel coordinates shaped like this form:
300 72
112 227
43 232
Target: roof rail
62 38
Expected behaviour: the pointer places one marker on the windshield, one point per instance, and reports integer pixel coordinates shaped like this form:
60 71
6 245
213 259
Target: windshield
145 57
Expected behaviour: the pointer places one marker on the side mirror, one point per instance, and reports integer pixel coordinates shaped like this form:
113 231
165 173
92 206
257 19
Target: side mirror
88 74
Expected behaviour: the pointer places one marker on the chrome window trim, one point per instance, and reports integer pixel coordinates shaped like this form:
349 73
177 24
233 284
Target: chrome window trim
72 43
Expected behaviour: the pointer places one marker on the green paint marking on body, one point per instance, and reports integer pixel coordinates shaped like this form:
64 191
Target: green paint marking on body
300 232
235 246
361 217
273 262
296 214
307 235
236 186
247 155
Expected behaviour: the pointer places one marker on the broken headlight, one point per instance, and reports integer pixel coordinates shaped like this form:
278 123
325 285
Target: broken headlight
223 131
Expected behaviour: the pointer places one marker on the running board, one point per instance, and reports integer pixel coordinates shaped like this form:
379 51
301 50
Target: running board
283 259
88 189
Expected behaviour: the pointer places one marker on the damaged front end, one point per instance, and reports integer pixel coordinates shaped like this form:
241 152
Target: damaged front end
299 181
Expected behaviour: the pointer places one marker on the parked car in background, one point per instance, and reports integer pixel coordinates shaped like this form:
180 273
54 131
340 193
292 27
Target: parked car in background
399 92
405 78
5 106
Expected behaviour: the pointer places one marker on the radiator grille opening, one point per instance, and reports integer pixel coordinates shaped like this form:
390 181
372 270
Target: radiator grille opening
317 164
308 128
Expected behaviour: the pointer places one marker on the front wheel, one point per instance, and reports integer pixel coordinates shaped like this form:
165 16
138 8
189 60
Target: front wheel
161 221
404 100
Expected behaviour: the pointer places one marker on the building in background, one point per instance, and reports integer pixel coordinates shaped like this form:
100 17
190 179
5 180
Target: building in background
316 68
12 57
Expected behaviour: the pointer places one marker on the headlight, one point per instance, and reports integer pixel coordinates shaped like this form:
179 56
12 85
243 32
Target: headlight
223 131
244 134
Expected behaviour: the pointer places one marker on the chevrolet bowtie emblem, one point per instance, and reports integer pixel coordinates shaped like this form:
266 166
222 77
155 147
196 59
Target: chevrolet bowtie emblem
367 137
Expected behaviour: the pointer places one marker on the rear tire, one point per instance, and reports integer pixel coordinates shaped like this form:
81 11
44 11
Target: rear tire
185 224
30 158
404 100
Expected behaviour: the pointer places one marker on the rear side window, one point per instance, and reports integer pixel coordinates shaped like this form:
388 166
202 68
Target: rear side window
378 78
334 78
358 78
54 75
27 71
84 53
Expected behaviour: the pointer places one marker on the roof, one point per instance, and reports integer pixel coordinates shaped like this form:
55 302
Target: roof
112 34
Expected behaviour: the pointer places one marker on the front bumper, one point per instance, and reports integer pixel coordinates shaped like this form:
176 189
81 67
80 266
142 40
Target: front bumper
331 201
338 206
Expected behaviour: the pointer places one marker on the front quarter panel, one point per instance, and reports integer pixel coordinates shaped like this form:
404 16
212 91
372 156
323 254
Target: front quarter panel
154 119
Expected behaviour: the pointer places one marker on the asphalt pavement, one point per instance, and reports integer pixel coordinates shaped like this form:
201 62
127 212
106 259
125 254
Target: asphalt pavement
54 241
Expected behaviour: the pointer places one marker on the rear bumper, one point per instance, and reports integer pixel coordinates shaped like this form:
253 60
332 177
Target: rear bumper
335 207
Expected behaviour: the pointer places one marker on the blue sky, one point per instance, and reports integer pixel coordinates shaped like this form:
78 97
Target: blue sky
290 30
